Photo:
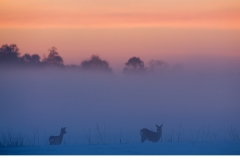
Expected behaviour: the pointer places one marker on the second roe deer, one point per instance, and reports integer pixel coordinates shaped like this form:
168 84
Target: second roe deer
146 134
57 140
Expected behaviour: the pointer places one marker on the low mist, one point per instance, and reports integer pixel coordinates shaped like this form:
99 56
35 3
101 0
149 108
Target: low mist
189 104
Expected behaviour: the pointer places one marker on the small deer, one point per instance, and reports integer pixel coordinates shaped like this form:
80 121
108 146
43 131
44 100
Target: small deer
146 134
57 140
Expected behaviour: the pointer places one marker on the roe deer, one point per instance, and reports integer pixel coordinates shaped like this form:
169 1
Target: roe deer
146 134
57 140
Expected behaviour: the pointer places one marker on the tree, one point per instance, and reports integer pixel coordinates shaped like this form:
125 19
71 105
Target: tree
96 64
53 58
9 54
158 66
33 60
134 65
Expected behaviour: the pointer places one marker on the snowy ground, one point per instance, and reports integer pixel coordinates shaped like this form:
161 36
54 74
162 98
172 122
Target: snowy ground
161 148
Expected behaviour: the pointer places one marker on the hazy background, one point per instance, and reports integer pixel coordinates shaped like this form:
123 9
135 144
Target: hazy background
198 104
116 46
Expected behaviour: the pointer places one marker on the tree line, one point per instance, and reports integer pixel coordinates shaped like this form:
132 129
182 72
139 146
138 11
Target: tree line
10 56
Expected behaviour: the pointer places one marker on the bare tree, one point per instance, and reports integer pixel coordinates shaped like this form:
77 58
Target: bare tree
53 58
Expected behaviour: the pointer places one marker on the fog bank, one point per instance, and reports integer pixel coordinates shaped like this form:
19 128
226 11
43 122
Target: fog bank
187 103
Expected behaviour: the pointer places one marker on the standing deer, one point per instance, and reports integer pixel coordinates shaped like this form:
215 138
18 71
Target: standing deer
146 134
57 140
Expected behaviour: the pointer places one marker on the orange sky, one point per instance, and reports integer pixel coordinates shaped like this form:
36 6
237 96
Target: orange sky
117 29
124 13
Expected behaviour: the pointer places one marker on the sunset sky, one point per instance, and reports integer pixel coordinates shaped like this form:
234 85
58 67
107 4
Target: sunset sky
118 29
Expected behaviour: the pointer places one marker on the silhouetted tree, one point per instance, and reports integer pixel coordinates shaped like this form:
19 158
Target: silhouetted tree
96 64
9 54
158 66
33 60
134 65
53 58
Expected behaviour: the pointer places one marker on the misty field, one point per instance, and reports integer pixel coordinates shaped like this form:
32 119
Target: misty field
104 113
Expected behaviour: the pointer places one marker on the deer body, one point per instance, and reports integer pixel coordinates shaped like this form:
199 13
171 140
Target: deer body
146 134
57 140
